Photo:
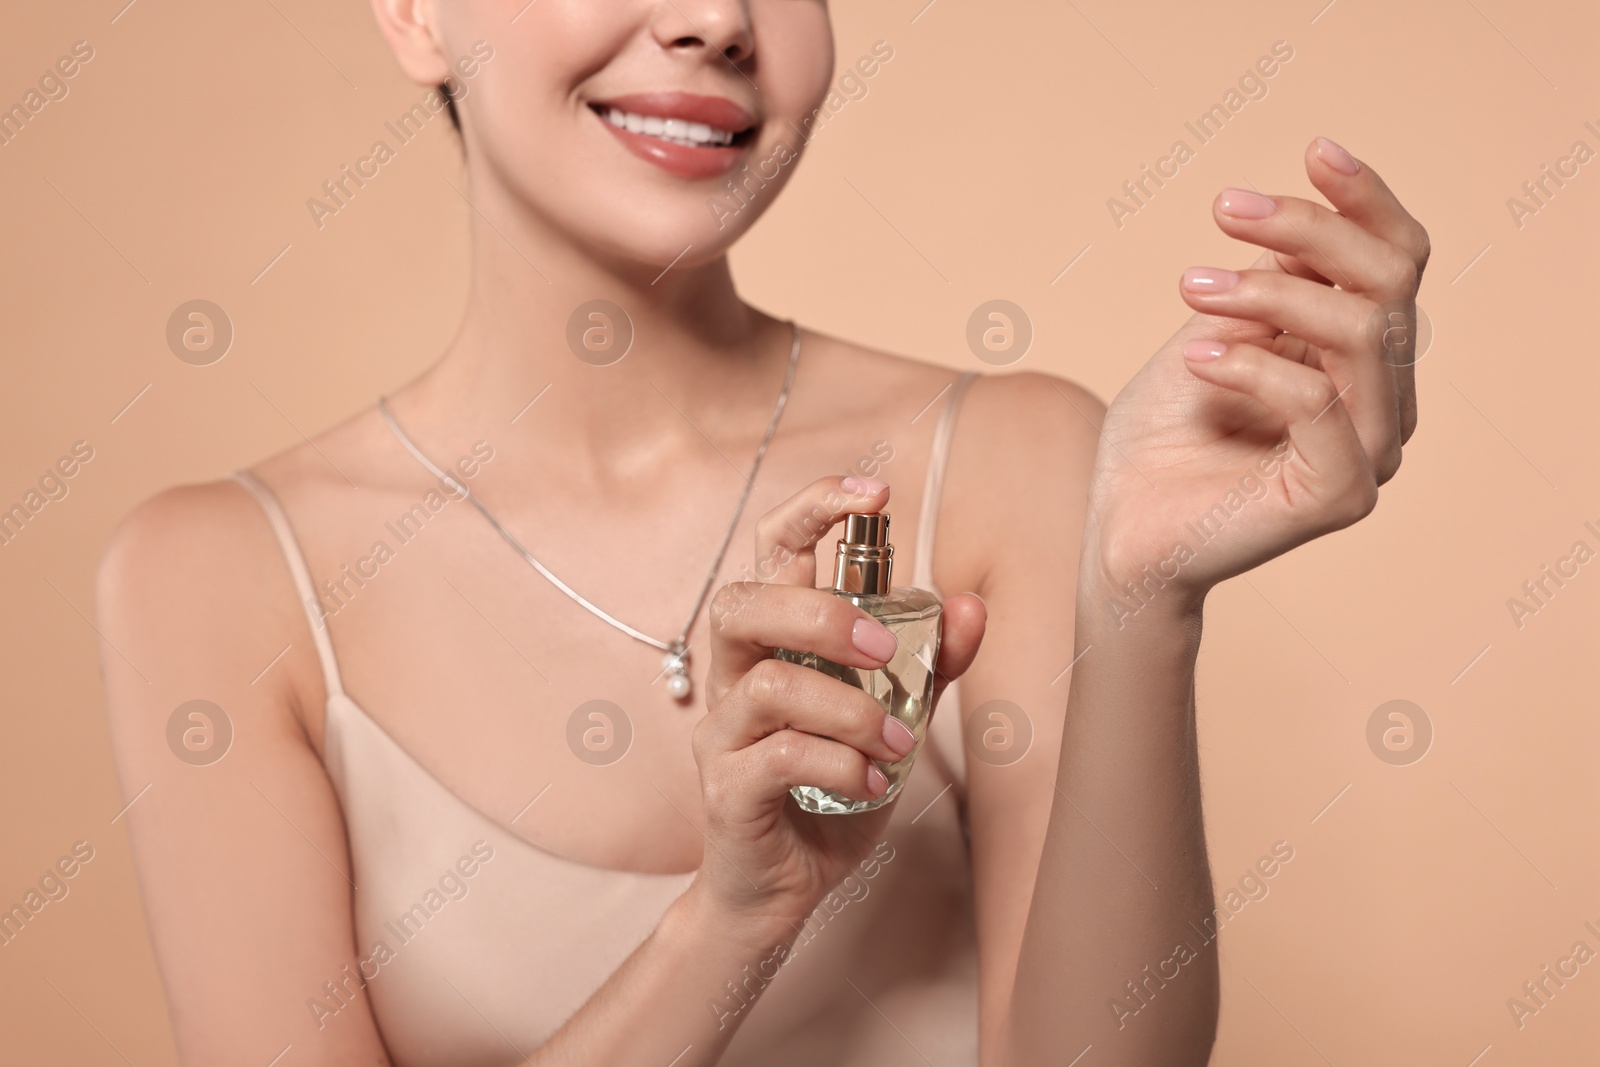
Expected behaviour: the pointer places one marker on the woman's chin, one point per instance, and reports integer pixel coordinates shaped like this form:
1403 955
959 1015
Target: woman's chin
663 250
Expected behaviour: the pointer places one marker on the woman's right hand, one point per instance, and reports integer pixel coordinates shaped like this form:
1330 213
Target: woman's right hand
773 725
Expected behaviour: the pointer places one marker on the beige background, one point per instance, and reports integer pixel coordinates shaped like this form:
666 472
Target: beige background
977 167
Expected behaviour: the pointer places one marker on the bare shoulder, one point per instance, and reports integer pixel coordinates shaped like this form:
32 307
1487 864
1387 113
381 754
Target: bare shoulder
183 570
1021 462
193 593
1019 401
179 536
214 536
1034 403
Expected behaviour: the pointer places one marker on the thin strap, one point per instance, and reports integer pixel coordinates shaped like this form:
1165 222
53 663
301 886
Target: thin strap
931 492
302 576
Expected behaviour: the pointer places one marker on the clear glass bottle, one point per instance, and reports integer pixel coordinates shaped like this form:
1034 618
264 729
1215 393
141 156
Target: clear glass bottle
904 686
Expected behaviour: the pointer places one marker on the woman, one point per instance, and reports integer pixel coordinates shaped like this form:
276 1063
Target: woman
463 818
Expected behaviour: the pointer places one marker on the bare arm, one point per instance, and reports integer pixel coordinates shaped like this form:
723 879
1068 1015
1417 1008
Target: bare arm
1080 750
1270 419
1119 951
1103 783
670 1001
239 843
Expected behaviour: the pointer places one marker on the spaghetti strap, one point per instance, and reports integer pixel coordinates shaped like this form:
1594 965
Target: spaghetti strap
302 575
938 455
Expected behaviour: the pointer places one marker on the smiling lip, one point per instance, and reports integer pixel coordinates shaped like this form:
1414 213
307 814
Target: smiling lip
688 162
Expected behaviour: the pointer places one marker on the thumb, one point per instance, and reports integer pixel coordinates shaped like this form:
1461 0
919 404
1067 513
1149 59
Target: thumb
962 627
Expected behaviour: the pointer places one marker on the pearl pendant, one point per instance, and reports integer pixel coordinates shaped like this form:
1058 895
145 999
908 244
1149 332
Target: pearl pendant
676 665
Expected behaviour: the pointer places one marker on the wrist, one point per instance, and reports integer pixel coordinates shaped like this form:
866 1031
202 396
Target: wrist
704 920
1121 592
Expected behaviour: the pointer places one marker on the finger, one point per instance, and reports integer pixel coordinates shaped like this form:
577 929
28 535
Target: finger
1286 264
1290 265
1361 196
962 626
1334 469
779 762
1331 246
775 695
1328 318
1220 327
1336 322
787 536
750 619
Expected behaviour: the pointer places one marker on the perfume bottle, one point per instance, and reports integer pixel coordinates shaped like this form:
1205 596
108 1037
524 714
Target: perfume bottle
904 686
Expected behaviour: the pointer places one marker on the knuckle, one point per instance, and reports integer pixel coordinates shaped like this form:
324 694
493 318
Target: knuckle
768 528
1400 273
822 612
1423 247
783 754
1360 500
714 791
842 764
770 683
702 740
728 601
1315 394
1255 287
1310 219
865 714
1369 497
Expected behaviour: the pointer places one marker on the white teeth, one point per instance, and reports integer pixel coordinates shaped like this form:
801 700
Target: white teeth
678 131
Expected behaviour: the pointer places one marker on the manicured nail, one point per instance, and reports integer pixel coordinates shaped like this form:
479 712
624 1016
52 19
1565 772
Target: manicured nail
1243 204
1336 157
856 485
877 781
874 639
1203 349
1209 280
898 736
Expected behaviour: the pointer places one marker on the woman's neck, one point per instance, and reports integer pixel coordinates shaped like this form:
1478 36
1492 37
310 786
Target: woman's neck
702 364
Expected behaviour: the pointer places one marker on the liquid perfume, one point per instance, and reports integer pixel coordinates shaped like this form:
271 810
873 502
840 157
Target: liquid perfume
904 686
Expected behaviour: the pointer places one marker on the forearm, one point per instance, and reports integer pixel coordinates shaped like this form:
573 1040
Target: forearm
1117 951
679 998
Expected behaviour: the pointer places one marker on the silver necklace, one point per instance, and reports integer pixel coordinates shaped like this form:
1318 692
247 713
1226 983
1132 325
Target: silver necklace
675 665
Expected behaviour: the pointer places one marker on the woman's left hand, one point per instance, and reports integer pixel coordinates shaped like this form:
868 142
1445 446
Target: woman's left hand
1274 414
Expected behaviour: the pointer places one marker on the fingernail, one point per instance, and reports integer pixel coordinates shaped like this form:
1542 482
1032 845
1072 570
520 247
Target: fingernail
873 639
856 485
877 781
898 736
1209 280
1336 157
1243 204
1203 349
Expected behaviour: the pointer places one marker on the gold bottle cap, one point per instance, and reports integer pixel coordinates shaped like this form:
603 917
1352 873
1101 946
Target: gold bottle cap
865 556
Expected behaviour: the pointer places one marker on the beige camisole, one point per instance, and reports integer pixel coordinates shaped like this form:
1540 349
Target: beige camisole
884 973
